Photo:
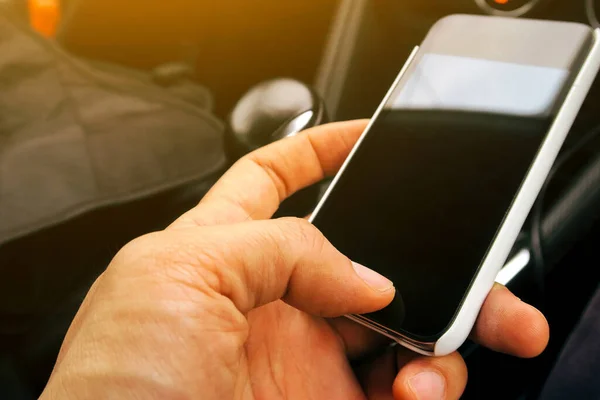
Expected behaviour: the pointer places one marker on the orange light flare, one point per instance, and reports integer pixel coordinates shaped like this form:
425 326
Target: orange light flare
44 16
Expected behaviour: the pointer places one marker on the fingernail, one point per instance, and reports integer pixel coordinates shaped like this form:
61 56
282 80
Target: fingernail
372 278
428 386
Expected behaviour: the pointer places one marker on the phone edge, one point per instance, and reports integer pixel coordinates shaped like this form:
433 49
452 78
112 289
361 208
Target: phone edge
457 333
421 348
339 174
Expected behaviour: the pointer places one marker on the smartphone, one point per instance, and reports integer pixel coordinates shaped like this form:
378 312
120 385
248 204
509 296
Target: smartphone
438 187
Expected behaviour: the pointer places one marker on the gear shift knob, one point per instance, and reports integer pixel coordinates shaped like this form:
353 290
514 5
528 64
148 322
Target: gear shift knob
271 111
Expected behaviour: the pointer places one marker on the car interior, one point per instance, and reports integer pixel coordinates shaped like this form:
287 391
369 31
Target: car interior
229 77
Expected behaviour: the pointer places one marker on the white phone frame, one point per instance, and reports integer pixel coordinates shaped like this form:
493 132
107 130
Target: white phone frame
463 323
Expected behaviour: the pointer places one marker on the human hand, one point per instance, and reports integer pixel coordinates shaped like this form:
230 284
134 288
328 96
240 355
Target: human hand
227 304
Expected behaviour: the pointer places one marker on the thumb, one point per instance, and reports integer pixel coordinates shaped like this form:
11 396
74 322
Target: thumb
259 262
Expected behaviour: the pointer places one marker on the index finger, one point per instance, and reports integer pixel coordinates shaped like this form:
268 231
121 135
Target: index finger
256 185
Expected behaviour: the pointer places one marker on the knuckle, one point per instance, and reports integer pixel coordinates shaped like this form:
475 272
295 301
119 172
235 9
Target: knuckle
138 249
304 233
297 228
296 223
191 260
174 258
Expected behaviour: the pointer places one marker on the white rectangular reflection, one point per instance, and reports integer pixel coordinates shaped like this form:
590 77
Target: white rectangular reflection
444 82
513 267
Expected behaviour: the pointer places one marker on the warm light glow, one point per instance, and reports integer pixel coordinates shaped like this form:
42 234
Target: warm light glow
501 1
44 16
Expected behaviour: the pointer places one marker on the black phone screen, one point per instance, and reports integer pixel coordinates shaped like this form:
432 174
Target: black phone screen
425 193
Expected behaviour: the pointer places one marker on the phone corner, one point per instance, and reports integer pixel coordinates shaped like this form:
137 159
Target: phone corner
449 343
448 19
584 28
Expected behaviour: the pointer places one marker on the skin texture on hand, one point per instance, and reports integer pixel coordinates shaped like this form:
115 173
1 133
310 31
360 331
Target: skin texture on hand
228 304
